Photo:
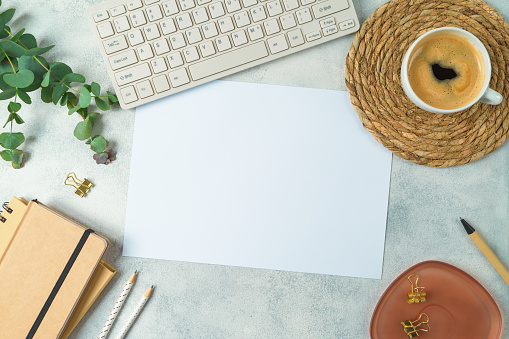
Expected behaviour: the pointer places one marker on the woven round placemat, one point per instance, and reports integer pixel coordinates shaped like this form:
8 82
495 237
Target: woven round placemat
373 81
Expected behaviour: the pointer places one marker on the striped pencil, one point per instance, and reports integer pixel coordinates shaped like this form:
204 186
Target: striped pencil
118 306
135 313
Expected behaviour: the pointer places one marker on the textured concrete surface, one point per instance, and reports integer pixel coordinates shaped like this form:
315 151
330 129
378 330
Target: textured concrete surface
206 301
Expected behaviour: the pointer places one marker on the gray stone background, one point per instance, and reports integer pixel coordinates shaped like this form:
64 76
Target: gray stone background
207 301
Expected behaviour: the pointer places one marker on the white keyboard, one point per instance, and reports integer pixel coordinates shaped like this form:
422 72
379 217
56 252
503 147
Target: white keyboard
155 48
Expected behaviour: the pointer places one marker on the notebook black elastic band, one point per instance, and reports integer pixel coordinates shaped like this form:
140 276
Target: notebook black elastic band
58 284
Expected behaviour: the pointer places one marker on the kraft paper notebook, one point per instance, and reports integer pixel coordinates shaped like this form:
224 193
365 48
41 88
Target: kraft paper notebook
50 271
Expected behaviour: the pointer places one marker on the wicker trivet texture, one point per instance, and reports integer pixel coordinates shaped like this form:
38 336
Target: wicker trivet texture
373 81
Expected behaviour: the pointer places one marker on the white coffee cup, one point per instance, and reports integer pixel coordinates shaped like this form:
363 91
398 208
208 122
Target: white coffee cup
486 95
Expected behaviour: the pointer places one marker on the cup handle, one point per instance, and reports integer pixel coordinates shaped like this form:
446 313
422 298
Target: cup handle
491 97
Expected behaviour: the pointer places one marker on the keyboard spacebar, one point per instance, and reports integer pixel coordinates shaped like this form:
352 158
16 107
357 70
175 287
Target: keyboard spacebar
229 60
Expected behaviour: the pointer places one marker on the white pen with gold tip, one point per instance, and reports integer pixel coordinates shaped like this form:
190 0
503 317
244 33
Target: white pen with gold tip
135 313
118 305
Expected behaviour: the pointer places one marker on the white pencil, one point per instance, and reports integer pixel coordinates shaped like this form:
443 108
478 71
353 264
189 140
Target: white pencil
118 305
135 313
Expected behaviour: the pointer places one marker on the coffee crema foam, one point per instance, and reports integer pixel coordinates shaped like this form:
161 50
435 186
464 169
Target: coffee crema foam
454 55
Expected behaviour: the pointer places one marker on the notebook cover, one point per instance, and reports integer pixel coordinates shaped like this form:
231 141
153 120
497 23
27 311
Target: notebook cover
31 265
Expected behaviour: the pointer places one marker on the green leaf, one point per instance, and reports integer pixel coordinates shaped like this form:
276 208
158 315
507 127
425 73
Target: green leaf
14 107
3 32
45 80
7 15
6 155
14 155
12 140
96 89
58 91
72 110
28 62
28 40
47 94
93 117
23 78
98 144
12 48
85 97
23 96
73 77
112 98
103 105
3 85
83 129
18 35
7 94
2 24
59 70
15 117
38 50
63 100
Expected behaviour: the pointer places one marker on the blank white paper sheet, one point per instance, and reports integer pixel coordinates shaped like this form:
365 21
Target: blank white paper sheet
258 176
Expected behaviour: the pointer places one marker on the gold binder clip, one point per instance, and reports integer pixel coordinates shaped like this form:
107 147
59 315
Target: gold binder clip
82 187
412 329
417 294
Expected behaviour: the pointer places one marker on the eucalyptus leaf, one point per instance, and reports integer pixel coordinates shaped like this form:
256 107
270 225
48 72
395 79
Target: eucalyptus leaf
3 85
45 80
96 89
73 77
2 24
47 94
16 158
83 129
28 41
7 15
12 140
23 96
85 97
38 50
73 110
98 144
59 70
58 91
112 98
15 117
23 78
4 33
12 48
7 94
18 35
103 105
93 117
38 67
63 100
14 107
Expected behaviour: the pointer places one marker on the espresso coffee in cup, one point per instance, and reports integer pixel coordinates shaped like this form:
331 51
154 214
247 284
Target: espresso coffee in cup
446 70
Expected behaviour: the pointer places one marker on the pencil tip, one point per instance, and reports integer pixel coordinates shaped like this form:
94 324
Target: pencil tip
152 286
461 218
136 272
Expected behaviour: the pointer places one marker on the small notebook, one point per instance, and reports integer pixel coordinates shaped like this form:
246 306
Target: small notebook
46 262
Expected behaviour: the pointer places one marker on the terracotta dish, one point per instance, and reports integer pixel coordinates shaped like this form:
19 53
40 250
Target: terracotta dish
457 305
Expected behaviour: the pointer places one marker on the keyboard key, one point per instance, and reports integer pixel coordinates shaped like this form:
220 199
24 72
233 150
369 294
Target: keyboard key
216 10
258 14
209 30
295 37
223 43
154 13
170 7
121 24
328 7
123 59
175 60
249 3
115 11
313 36
177 41
168 26
306 2
232 5
288 21
207 49
150 2
255 32
134 4
290 4
105 30
115 44
187 4
151 32
161 83
239 38
271 27
327 22
135 37
274 8
200 15
145 89
242 19
191 54
346 24
133 74
226 24
203 2
145 52
330 30
178 77
101 16
277 44
159 65
303 16
184 21
228 60
161 46
138 18
193 36
129 94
